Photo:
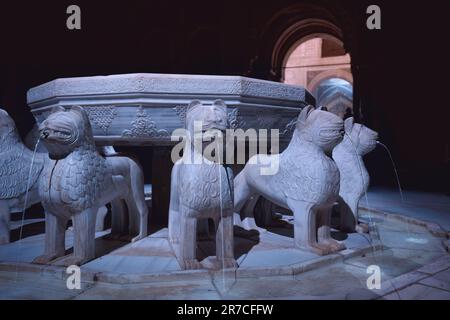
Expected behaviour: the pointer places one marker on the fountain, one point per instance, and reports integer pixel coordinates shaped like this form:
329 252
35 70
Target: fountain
144 110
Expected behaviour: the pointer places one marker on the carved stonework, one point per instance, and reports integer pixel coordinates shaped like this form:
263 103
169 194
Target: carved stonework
201 190
267 121
16 174
289 128
101 116
144 126
354 178
77 181
306 180
180 110
235 120
42 116
112 102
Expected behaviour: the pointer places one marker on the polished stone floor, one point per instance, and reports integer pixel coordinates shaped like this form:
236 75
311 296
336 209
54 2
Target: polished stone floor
413 262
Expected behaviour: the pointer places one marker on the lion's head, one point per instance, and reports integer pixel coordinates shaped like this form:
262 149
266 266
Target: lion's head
322 128
362 139
65 130
213 116
205 122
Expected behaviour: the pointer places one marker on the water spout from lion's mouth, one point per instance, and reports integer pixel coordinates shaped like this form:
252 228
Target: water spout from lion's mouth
394 167
44 134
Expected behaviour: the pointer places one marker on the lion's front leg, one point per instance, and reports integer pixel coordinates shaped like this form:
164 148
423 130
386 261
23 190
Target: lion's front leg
305 230
174 207
55 236
225 242
324 230
187 254
84 238
118 219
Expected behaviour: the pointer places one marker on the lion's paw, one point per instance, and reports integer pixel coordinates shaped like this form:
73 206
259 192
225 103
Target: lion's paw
320 249
333 245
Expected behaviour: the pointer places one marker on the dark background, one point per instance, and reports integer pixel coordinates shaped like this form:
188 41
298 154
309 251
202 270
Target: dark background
400 72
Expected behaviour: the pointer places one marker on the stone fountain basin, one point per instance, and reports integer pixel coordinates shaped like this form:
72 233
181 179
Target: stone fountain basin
145 108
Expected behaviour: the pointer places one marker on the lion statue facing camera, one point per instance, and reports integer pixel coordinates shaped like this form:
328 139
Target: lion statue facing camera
77 181
201 190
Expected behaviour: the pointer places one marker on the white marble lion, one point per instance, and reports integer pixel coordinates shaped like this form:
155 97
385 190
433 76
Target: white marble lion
354 178
16 178
200 191
307 181
77 181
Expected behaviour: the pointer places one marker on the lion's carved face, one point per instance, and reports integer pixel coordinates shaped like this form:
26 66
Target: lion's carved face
322 128
65 130
211 116
206 123
362 139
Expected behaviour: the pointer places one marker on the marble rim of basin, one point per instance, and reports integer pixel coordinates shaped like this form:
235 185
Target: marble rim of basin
144 108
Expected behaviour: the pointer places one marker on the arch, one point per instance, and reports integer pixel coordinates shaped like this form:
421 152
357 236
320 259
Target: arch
299 22
328 74
306 38
299 33
295 22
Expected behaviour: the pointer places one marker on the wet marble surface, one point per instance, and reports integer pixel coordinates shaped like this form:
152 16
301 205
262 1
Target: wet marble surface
413 265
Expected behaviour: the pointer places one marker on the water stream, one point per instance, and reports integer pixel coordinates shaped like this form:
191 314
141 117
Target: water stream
396 176
395 168
25 203
219 166
371 222
372 226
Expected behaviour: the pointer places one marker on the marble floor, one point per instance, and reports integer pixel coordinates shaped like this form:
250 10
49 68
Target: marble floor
413 262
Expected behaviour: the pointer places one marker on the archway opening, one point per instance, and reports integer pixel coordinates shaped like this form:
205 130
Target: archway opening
320 64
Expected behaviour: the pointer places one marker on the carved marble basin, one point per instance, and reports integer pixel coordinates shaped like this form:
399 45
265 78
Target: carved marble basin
144 108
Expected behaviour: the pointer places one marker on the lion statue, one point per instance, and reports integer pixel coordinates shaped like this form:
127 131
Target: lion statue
77 181
307 182
16 174
354 178
31 141
201 190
